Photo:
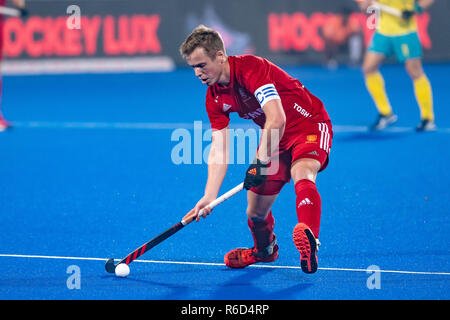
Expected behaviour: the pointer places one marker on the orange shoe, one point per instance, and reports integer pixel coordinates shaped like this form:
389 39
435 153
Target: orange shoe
243 257
306 244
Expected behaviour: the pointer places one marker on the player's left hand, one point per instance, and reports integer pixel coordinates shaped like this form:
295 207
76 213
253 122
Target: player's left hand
254 175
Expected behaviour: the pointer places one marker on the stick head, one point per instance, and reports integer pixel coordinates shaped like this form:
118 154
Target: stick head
110 266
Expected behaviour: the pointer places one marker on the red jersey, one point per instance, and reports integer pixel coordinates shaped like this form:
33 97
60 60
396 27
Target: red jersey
253 82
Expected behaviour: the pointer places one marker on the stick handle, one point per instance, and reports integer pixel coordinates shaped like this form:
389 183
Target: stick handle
110 266
388 9
216 202
9 11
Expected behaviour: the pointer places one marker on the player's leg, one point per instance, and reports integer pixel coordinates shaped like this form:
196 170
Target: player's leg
423 93
259 216
309 207
308 203
309 156
408 49
261 224
260 219
377 51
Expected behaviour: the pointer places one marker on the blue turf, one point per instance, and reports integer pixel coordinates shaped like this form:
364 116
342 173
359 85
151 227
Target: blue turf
101 192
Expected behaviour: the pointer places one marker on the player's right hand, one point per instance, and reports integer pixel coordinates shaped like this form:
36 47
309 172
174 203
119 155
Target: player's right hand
201 204
254 176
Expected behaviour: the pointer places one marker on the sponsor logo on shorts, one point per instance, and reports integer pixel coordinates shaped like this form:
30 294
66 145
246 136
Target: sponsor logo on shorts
312 138
313 153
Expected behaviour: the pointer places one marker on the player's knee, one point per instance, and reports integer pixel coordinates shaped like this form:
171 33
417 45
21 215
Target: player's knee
372 62
369 69
305 169
255 218
414 69
369 66
257 212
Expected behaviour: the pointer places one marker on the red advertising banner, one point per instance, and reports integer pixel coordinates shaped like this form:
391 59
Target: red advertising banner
144 35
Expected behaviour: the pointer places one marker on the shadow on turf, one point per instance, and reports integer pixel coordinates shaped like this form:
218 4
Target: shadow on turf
248 284
176 291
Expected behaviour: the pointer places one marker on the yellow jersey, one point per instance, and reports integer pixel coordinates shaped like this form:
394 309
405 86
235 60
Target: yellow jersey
391 25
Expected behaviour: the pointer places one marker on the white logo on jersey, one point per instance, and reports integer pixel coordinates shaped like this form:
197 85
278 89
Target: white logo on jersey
266 93
226 107
302 111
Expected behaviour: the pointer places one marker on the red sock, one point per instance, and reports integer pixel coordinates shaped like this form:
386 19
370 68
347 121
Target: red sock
308 205
262 231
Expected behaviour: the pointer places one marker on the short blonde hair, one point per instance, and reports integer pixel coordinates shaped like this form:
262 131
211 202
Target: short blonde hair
208 39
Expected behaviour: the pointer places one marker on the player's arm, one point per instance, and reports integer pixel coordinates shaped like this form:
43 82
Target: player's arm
217 162
270 139
217 168
364 4
18 3
273 130
425 4
419 6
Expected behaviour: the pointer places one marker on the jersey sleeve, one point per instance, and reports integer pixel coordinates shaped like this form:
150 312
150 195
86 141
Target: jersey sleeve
256 75
217 117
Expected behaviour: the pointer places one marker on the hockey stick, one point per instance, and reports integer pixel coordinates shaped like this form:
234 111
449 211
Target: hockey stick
388 9
6 11
111 267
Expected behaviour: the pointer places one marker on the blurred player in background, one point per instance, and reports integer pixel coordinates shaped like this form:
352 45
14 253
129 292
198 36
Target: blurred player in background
342 33
296 136
18 4
397 35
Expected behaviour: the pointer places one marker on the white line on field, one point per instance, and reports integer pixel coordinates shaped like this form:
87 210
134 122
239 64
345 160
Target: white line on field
180 125
222 264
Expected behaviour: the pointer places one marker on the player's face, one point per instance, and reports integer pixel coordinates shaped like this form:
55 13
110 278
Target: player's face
206 69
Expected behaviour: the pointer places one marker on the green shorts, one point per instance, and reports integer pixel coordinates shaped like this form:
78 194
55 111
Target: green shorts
404 47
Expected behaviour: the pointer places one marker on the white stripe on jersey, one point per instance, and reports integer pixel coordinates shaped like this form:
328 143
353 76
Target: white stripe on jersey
266 93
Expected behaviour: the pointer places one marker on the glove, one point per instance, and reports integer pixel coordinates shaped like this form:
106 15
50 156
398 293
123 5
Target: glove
407 14
23 13
254 175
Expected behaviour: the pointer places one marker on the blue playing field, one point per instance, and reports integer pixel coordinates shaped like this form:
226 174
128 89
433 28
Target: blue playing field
88 174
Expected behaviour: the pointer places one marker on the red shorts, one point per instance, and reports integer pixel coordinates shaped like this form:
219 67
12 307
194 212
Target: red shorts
311 143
